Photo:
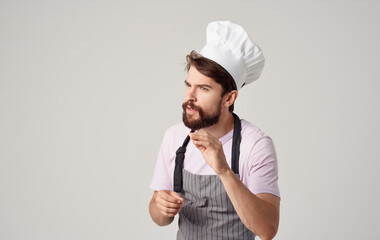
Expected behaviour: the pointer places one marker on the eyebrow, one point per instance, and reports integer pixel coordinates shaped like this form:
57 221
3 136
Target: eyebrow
199 85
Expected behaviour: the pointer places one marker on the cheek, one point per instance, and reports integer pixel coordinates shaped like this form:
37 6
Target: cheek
213 102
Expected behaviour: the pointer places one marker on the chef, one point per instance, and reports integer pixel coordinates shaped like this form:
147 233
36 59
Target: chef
216 171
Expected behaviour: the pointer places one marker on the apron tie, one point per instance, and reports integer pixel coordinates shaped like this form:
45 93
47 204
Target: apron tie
180 155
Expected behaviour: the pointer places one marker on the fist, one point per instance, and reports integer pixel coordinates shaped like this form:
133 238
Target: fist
211 149
169 203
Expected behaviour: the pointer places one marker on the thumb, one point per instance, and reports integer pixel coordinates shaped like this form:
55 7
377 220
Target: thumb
176 195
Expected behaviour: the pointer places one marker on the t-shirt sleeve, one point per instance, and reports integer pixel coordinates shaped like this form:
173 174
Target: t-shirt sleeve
263 168
162 179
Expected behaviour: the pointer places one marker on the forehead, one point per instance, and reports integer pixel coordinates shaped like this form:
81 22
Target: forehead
196 77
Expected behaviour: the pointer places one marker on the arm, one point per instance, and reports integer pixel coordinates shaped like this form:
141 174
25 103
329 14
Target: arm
163 206
259 213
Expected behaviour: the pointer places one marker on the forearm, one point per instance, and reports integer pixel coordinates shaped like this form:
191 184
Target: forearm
157 217
259 216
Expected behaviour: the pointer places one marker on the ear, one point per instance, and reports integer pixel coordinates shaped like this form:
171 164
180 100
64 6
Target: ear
229 98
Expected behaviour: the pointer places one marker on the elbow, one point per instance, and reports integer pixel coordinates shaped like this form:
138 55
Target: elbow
269 232
268 236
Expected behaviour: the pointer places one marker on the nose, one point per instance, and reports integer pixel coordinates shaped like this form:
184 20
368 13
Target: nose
190 94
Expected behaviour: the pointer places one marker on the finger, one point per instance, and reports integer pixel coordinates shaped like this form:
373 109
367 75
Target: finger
177 196
202 132
168 214
202 143
201 148
169 209
166 204
205 137
167 196
198 144
193 136
197 135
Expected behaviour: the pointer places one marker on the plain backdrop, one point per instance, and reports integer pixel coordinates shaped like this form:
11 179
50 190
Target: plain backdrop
87 89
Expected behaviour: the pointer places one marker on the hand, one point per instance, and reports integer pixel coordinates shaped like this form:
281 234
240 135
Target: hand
169 203
211 149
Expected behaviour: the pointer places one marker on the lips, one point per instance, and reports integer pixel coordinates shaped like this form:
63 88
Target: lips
190 110
189 107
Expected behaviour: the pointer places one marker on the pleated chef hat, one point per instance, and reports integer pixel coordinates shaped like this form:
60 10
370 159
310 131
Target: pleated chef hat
231 47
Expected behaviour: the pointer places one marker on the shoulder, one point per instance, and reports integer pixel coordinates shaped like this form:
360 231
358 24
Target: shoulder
254 138
251 132
176 134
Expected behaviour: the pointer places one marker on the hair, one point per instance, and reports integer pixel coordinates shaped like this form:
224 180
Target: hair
213 70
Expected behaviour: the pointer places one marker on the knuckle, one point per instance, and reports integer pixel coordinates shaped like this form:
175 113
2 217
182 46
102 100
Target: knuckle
166 214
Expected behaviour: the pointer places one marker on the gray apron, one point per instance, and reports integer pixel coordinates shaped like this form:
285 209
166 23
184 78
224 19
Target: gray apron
207 212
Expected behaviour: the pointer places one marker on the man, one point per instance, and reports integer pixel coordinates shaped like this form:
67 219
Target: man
220 178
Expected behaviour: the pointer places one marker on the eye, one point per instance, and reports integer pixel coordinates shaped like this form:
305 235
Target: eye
203 88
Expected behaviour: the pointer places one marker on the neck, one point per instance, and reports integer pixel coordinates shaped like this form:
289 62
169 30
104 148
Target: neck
224 125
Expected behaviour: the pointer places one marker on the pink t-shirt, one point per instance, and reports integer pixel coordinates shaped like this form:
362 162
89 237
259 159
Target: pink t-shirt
257 162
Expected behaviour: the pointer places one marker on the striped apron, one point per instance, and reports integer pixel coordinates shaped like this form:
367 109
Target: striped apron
207 212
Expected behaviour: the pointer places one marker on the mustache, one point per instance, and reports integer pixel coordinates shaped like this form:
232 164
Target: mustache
191 105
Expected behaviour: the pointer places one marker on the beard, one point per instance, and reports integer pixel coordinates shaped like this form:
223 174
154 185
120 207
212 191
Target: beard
204 120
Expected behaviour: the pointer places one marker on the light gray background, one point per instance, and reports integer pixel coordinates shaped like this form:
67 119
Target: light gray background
87 89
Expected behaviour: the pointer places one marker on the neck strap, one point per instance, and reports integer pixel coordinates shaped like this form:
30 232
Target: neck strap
180 154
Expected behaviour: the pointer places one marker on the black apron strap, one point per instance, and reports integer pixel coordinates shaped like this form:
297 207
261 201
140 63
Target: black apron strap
180 155
236 139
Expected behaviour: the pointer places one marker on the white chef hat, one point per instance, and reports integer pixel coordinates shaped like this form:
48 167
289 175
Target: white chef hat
231 47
